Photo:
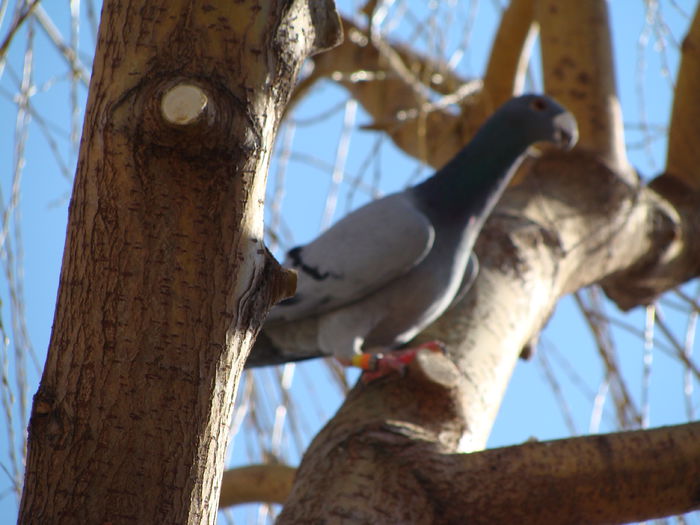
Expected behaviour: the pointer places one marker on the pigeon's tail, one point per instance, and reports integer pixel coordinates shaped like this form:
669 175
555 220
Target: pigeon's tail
266 353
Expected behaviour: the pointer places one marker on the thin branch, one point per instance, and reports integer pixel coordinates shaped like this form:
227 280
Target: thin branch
69 52
627 414
554 385
14 27
256 483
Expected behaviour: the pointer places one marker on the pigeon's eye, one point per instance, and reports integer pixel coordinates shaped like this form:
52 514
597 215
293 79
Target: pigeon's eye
538 104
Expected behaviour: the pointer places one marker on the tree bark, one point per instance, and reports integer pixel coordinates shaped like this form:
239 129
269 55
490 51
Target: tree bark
165 279
374 468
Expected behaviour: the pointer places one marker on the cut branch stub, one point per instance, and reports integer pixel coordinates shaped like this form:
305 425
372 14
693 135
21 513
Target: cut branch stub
189 117
183 104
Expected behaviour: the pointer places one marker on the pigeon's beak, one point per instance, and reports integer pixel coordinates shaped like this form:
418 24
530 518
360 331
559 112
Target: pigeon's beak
566 131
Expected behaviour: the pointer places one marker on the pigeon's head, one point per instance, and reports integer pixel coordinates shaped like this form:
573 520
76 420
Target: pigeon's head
543 119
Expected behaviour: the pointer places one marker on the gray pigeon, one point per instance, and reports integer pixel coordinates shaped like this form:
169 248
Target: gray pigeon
386 271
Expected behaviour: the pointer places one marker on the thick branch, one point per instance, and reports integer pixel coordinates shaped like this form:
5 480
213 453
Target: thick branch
510 52
614 478
383 460
653 473
577 63
683 160
571 223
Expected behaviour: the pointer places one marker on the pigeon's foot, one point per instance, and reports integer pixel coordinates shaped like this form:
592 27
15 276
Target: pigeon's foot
376 366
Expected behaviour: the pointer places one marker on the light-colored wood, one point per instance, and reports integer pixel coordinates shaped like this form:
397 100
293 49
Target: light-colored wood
510 53
578 70
268 483
683 159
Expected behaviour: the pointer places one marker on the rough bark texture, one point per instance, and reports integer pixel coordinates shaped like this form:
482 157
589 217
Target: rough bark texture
372 468
614 478
575 219
165 278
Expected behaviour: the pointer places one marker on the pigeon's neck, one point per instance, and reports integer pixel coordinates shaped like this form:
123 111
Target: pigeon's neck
471 183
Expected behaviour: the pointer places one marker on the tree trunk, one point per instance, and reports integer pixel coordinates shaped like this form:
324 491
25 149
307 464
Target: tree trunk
165 279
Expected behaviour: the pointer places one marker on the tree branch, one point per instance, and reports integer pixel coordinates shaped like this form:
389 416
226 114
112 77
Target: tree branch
578 70
510 53
572 222
601 479
21 16
683 159
680 186
267 483
385 460
389 87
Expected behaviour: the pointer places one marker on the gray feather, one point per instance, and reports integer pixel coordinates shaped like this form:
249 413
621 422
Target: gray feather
386 271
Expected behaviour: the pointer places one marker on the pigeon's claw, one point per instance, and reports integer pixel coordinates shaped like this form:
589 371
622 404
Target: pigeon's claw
376 366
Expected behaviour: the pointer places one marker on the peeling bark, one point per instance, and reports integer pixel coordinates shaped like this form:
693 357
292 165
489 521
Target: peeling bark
165 278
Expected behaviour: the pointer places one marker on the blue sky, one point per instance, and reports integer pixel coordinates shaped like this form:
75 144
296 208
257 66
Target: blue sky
645 74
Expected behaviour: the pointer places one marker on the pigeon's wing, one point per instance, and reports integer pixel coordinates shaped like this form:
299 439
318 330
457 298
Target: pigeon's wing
357 256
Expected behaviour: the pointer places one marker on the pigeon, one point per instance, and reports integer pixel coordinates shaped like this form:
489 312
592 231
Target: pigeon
383 273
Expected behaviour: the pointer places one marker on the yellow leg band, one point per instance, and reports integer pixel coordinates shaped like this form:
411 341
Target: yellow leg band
363 361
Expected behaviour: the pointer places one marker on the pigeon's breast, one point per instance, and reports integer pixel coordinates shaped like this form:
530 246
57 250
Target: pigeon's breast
422 295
